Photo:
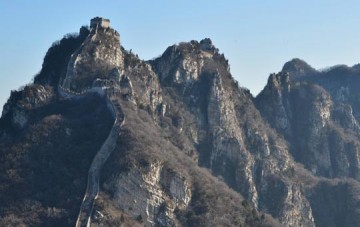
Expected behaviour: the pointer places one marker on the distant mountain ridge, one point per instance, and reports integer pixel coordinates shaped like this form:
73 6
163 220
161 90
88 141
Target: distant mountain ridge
103 138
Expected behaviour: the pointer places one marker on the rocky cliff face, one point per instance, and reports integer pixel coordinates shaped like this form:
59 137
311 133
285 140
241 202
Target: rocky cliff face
315 114
176 142
232 140
97 56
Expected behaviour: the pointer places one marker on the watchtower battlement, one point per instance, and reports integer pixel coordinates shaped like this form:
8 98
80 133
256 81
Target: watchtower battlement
99 22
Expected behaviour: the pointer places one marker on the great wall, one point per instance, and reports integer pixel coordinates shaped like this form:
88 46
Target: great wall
111 96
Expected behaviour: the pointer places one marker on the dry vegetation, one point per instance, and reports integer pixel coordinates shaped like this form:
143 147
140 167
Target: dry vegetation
213 203
42 170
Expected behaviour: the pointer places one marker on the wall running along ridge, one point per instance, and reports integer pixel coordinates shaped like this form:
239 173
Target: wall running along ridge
92 189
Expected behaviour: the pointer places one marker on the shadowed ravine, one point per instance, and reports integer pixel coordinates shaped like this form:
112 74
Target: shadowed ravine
100 158
92 189
197 149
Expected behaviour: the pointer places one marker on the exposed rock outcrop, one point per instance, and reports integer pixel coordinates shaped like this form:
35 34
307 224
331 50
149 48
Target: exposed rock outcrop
319 121
97 56
232 139
176 142
152 193
16 110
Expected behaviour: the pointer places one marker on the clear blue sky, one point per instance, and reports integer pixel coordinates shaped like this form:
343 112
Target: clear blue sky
257 36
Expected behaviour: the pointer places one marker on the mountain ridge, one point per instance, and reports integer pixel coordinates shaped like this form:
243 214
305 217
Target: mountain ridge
189 126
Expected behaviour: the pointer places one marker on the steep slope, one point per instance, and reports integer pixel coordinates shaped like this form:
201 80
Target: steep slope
151 177
44 164
58 56
228 132
103 138
315 114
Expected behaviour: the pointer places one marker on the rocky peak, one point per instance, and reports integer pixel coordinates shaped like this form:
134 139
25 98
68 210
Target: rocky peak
297 67
279 81
186 61
183 111
273 102
206 45
96 58
316 115
16 110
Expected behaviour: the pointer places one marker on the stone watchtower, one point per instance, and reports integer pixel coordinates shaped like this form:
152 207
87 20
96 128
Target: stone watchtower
99 22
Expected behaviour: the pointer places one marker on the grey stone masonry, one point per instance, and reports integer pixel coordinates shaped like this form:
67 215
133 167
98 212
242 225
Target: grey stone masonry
99 22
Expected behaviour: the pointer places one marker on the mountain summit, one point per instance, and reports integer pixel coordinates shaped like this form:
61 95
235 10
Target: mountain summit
298 67
103 138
